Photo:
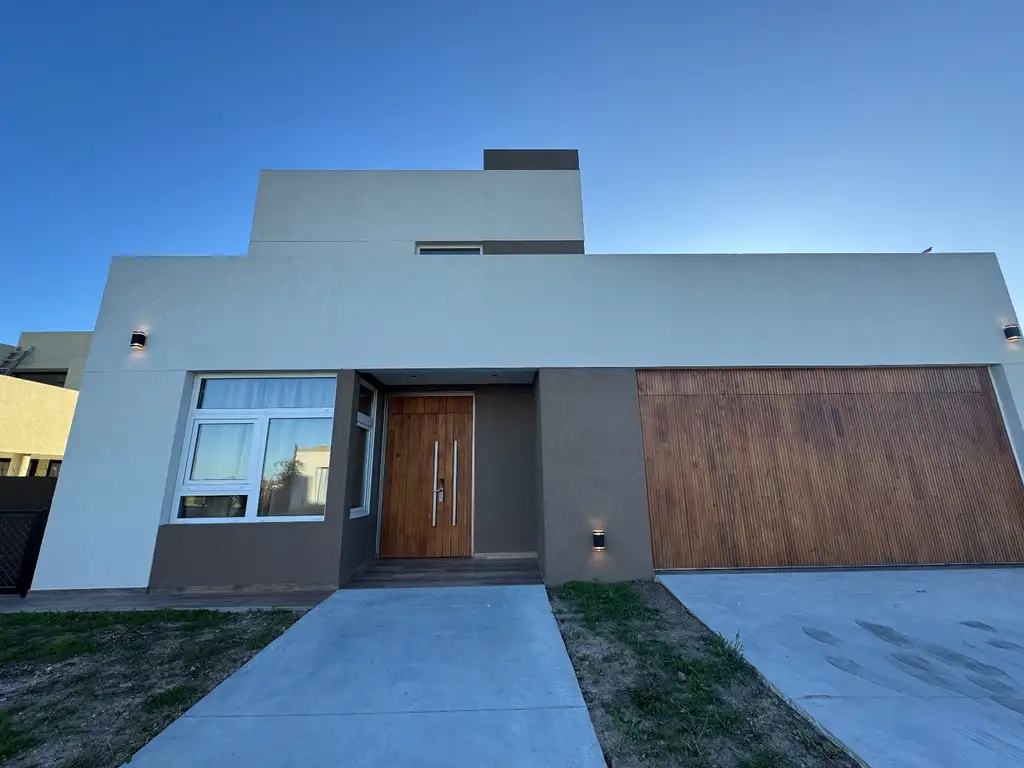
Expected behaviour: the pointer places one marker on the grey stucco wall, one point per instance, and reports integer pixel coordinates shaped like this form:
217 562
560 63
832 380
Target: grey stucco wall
57 351
505 514
1009 406
451 206
267 553
592 469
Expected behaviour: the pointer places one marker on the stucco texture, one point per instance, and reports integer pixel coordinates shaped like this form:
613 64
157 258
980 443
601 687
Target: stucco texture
34 418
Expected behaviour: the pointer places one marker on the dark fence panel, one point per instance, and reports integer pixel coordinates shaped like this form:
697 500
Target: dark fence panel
24 506
21 493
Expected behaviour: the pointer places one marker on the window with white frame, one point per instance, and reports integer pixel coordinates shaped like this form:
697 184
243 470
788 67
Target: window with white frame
257 449
366 414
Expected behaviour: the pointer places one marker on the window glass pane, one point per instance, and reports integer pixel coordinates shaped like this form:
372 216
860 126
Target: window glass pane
365 400
359 492
454 250
222 452
54 469
5 466
212 506
295 467
299 393
231 393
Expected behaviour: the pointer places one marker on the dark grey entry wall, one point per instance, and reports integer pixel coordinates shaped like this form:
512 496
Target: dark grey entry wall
272 553
592 475
505 514
359 535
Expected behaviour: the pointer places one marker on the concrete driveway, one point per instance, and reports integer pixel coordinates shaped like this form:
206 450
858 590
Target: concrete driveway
907 668
450 676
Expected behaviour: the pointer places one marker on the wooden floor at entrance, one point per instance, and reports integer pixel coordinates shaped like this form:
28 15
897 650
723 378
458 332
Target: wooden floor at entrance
819 467
428 483
446 572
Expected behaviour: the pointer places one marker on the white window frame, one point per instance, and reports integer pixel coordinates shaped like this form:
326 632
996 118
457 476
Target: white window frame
466 249
249 487
369 425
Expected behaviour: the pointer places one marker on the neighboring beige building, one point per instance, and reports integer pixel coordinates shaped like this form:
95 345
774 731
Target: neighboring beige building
38 393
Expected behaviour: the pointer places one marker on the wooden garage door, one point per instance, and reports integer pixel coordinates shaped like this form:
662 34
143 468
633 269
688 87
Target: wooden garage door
858 466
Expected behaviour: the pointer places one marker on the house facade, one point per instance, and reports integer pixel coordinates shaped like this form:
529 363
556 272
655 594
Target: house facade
417 364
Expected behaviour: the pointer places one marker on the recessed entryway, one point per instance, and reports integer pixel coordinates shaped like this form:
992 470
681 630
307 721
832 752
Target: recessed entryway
427 508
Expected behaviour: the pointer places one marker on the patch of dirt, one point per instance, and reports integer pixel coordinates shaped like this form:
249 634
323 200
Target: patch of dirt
89 689
665 691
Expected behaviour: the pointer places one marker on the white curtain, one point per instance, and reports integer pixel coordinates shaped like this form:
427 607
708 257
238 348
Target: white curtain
222 452
231 393
268 393
299 393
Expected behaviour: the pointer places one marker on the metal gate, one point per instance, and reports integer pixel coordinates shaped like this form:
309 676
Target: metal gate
21 534
24 507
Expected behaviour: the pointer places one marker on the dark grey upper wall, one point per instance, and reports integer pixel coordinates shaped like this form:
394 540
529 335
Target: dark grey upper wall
592 475
277 553
515 247
505 517
531 160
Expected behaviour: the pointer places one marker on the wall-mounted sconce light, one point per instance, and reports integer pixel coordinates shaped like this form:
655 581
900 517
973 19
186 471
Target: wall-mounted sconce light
598 540
138 340
1012 332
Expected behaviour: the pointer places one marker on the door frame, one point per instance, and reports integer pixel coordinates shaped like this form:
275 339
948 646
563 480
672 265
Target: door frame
384 459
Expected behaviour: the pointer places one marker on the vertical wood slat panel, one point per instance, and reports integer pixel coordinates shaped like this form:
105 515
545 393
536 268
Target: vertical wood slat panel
801 467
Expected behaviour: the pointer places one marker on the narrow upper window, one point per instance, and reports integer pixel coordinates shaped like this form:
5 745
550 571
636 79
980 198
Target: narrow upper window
450 249
366 412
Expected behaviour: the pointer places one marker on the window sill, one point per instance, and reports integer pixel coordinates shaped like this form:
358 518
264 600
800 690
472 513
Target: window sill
355 513
242 520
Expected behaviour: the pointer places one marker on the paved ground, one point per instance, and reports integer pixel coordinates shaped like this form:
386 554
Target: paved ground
139 600
907 668
455 676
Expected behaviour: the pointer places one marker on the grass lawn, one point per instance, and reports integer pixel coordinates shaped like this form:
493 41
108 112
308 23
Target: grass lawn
89 689
664 690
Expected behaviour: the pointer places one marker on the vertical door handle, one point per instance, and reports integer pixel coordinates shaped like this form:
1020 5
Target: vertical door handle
433 492
455 480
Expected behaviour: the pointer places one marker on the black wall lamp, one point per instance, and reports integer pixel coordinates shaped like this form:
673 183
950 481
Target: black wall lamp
138 340
598 540
1012 332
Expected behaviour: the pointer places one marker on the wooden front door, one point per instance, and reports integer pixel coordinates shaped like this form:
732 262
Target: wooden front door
820 467
428 479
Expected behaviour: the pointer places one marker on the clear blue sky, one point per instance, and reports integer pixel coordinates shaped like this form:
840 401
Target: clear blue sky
714 125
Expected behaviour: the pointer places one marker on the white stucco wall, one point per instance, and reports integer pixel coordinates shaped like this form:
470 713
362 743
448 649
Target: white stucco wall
118 455
333 206
308 309
402 311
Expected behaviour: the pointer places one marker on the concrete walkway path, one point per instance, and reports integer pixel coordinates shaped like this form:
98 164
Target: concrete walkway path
453 676
909 668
